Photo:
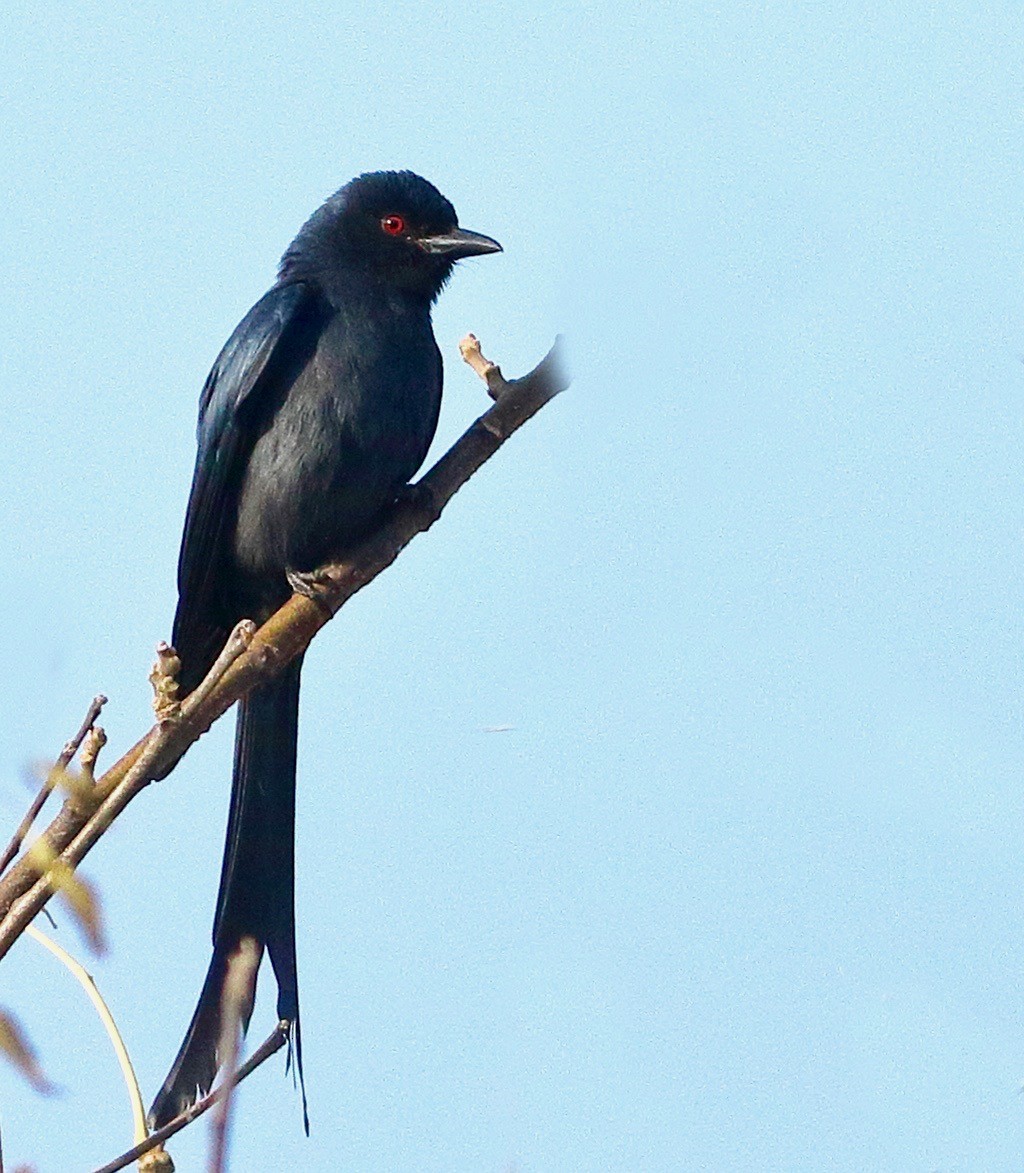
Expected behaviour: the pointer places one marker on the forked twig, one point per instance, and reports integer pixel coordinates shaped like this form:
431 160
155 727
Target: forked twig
50 782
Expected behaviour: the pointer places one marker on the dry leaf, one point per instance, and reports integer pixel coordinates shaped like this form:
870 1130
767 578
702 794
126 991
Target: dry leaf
15 1045
79 895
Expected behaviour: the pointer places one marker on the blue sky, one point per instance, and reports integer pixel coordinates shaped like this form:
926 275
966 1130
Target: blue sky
739 889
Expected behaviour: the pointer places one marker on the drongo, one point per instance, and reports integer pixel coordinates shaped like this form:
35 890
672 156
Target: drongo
317 412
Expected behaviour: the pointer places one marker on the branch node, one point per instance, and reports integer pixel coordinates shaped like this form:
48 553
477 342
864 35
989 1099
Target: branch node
242 636
157 1160
164 679
491 427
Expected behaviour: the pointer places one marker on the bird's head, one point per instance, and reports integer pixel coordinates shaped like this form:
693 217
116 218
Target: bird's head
391 225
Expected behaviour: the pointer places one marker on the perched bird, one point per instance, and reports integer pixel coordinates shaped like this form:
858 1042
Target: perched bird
317 412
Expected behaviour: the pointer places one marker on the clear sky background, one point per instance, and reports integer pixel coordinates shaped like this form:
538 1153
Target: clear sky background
740 888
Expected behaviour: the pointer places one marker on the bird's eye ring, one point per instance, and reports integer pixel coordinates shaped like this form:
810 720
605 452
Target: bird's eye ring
393 225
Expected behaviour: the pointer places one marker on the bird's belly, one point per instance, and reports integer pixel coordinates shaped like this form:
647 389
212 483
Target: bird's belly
318 479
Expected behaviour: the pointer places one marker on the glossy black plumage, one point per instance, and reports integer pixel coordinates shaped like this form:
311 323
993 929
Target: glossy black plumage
317 411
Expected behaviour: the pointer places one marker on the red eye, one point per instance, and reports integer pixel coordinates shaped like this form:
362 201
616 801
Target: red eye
393 225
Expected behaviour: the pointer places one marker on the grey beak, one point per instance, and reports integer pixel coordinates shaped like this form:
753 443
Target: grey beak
460 242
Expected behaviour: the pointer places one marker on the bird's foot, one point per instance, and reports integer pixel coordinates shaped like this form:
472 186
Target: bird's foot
311 584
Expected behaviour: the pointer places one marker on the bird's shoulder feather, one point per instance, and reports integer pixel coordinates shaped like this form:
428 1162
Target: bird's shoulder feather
243 377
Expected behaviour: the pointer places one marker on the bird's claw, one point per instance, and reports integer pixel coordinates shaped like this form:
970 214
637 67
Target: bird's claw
309 583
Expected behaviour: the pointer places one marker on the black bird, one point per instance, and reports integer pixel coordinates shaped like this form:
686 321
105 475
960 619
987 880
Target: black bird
317 412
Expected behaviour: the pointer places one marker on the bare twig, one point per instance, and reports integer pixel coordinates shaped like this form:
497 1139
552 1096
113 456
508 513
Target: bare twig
270 1046
62 763
104 805
238 642
73 833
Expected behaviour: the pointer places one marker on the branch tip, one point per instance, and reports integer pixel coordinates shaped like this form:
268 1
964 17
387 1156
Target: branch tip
490 372
94 741
71 747
50 781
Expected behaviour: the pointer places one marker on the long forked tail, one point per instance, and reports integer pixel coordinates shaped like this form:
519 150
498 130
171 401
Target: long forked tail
257 886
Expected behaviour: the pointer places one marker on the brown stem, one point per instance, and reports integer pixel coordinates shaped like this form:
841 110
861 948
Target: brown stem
268 1047
62 763
74 832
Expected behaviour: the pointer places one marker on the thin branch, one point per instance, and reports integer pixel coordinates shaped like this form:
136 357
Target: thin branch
85 980
238 642
51 780
73 833
270 1046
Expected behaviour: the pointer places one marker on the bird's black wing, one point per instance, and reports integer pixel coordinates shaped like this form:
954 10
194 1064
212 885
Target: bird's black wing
246 377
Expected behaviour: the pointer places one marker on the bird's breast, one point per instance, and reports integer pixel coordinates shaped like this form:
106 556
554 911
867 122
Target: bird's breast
351 429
